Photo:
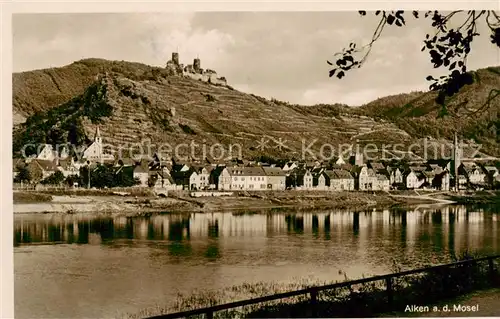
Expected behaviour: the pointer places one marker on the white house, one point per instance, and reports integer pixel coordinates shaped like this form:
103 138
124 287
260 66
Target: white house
474 173
340 160
320 180
48 153
163 180
202 178
243 178
290 166
68 167
340 180
94 151
382 183
367 178
414 179
396 176
276 178
142 173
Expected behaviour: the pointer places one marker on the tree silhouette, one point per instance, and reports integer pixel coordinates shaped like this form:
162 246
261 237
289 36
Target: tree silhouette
24 175
448 47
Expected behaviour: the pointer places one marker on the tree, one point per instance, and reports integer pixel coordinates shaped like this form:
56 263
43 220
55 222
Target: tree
55 179
448 48
23 175
72 179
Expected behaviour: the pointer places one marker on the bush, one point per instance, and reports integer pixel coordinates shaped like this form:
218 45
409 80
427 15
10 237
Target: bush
55 179
31 197
186 129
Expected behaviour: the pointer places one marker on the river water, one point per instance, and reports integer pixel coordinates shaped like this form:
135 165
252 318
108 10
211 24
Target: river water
79 266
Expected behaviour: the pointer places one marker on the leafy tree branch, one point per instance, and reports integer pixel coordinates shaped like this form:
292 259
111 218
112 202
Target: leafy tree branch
448 47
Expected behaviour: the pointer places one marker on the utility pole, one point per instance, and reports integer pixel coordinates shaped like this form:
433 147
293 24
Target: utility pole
88 171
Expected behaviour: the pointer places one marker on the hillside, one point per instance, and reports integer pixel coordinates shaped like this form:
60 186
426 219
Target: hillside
135 103
420 116
41 90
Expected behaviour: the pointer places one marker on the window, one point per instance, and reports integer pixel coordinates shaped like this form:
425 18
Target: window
236 178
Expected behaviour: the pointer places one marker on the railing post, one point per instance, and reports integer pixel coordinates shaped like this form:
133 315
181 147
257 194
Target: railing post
210 315
314 302
388 282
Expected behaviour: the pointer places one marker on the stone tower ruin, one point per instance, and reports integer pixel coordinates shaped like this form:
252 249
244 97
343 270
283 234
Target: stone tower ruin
197 65
175 58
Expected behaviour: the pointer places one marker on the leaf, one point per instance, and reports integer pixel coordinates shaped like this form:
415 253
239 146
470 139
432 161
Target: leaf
349 58
390 19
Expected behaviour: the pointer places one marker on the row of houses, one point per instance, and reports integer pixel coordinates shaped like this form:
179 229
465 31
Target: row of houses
238 174
247 175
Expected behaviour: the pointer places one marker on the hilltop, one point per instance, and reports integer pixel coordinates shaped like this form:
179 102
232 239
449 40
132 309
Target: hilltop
137 103
418 114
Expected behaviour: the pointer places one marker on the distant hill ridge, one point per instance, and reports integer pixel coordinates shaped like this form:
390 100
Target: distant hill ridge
135 102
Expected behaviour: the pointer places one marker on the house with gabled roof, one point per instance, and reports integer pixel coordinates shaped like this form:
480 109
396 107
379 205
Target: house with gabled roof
300 178
473 173
382 183
276 178
320 179
290 166
414 177
202 175
243 178
367 178
340 180
163 180
68 167
215 176
141 172
395 175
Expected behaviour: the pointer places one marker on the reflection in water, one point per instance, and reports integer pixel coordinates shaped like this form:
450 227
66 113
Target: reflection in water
453 228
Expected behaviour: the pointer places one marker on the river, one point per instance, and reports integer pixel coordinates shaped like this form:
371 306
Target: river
80 266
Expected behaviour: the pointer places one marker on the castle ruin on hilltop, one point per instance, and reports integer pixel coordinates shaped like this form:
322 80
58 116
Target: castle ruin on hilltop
194 71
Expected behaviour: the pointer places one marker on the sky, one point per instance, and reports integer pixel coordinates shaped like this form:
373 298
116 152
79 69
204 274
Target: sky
272 54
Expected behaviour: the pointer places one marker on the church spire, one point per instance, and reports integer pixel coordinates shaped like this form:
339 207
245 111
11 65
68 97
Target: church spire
97 137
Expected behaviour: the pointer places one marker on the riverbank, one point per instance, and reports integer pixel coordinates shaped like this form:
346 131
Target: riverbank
34 202
479 197
144 202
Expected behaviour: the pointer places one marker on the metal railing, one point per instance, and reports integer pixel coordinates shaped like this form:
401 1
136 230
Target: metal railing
313 291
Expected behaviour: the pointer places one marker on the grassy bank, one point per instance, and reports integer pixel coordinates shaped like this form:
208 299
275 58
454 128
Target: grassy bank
31 197
480 197
363 300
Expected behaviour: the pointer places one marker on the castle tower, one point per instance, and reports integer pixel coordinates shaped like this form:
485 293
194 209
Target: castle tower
175 58
197 65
